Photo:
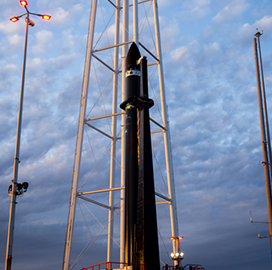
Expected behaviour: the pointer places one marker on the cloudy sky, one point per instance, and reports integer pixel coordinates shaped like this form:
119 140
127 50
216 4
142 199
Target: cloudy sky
215 132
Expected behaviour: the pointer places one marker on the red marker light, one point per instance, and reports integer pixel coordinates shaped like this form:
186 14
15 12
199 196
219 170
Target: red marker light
46 17
23 3
14 19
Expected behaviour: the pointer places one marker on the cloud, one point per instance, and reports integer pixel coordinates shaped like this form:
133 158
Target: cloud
231 11
247 29
60 15
197 8
67 14
181 54
7 28
213 113
43 42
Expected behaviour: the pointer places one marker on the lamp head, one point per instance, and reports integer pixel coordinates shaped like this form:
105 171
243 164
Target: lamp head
46 17
14 19
23 3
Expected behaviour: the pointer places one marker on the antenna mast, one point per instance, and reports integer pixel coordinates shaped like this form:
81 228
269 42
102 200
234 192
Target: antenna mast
266 145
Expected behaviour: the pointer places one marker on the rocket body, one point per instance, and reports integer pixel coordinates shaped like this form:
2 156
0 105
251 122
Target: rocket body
141 237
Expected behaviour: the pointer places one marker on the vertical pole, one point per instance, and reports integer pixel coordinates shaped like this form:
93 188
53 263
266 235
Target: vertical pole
135 22
167 142
113 133
258 34
81 122
123 142
16 161
264 147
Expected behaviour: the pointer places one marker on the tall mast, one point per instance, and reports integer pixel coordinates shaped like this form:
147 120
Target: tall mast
264 131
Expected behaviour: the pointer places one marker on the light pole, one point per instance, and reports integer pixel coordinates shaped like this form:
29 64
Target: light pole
264 126
16 188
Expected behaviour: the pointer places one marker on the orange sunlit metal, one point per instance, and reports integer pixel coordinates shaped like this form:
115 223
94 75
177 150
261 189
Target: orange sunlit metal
176 238
46 17
23 3
14 19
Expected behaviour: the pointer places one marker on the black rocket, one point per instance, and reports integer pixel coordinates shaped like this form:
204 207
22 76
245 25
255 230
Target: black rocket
141 236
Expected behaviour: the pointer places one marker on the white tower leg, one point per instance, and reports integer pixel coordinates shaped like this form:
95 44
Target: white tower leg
167 141
122 197
113 134
81 122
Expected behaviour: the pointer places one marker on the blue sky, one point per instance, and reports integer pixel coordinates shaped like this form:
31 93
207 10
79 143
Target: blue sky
213 110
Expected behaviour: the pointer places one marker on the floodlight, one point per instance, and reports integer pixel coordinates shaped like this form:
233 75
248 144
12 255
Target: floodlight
14 19
23 3
46 17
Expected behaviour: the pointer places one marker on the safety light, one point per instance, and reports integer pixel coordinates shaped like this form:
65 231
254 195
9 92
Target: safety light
23 3
14 19
46 17
177 256
181 256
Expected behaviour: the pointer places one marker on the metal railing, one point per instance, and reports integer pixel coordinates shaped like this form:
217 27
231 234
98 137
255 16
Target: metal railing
186 267
109 266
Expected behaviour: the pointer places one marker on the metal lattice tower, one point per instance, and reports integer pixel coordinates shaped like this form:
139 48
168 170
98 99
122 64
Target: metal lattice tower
101 124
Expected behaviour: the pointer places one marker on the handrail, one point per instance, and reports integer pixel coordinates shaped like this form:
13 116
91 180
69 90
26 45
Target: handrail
193 267
108 266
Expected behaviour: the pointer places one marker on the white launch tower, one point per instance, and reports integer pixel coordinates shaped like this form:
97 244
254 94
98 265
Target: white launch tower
98 182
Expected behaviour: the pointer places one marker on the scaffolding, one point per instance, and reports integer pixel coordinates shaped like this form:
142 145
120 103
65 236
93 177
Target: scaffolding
101 123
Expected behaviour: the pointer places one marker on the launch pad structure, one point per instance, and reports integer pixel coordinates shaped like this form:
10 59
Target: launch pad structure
101 125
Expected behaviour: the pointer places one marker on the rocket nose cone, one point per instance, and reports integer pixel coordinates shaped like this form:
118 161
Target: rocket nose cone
133 56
